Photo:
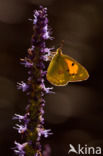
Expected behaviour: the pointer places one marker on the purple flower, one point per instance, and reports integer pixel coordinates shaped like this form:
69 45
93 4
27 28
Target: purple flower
23 86
20 153
32 48
43 73
36 14
47 50
45 29
19 149
41 110
47 90
37 55
45 57
46 35
26 61
45 21
42 102
21 118
41 119
44 132
27 64
21 129
40 65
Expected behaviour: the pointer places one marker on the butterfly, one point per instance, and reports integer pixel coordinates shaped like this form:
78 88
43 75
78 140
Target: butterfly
64 69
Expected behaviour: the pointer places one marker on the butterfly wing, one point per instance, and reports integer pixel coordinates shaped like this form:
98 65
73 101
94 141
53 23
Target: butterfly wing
56 72
63 69
76 72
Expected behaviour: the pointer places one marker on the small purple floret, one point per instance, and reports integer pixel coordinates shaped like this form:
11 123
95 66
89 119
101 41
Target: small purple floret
19 149
44 132
21 128
47 90
27 64
23 86
21 118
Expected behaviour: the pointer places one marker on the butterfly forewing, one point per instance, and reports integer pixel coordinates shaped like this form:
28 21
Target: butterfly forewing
56 73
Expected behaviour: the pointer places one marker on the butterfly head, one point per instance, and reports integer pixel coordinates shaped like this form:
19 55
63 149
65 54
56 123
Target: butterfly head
59 51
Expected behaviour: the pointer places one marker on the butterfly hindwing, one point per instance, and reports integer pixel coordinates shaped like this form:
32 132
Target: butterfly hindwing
75 70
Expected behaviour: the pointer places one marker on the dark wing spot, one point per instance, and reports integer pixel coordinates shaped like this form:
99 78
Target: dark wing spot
73 64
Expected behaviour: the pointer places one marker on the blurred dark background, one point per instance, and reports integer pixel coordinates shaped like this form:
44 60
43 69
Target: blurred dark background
75 112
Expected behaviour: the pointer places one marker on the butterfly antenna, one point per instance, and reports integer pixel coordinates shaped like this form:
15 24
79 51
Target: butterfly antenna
62 44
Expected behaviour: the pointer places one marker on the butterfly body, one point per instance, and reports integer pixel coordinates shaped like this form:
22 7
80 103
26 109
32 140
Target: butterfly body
64 69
